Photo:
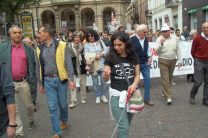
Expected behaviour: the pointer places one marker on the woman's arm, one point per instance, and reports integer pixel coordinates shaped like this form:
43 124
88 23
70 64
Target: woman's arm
133 86
106 73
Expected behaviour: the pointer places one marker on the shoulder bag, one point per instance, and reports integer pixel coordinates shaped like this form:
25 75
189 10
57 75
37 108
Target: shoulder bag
135 103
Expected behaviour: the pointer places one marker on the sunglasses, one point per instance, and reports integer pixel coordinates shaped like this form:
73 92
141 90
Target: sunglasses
90 36
164 31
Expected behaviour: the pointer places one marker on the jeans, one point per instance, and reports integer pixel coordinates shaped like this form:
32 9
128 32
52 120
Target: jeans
99 89
125 122
56 92
145 70
200 76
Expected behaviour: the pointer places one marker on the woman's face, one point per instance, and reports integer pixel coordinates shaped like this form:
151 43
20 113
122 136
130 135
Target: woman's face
120 47
91 38
77 39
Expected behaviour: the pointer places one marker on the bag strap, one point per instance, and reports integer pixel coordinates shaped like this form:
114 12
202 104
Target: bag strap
124 73
101 44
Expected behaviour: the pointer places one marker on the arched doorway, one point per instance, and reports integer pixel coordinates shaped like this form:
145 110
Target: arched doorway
108 12
48 17
88 18
68 20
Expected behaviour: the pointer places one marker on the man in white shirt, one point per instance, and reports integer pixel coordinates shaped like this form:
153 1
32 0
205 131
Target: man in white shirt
167 50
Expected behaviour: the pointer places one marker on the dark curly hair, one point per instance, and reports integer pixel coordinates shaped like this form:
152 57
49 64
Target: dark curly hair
114 57
93 33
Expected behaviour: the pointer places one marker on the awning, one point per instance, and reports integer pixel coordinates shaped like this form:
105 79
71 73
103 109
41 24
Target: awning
192 11
205 7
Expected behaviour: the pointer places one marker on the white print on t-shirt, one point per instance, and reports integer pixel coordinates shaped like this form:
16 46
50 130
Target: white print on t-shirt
129 71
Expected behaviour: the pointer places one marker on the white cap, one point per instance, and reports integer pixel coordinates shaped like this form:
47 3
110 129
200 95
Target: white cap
165 27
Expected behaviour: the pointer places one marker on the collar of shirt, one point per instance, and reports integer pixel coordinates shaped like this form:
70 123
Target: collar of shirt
52 43
139 38
17 45
203 35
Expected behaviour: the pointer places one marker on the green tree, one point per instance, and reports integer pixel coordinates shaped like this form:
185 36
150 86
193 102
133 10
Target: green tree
12 7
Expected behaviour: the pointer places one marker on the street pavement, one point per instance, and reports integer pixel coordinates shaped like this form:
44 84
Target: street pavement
90 120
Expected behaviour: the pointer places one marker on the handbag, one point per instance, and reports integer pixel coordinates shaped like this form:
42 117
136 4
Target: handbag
135 103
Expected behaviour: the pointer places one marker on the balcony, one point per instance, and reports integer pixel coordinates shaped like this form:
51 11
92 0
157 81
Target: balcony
148 13
62 2
171 3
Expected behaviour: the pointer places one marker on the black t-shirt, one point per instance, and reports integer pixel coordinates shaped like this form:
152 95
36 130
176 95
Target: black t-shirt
118 81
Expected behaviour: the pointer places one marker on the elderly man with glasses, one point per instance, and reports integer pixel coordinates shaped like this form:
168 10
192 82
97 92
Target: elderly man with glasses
140 43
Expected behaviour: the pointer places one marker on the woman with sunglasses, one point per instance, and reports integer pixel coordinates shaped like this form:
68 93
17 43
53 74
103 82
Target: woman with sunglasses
121 52
96 50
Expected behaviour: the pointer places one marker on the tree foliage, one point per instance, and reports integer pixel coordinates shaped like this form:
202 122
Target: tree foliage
12 7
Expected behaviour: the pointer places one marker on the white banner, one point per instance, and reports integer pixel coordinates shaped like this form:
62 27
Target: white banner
187 60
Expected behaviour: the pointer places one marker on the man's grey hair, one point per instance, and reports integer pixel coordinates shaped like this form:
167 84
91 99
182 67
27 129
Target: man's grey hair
141 27
14 26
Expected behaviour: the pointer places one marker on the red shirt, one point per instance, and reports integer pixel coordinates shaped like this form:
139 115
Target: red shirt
19 62
200 48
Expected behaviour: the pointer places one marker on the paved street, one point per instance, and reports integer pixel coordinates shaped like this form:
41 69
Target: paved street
180 120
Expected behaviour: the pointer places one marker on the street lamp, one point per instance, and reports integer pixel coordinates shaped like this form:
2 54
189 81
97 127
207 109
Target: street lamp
37 2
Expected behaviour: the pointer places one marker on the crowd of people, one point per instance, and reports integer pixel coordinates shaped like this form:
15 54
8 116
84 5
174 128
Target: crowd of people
51 65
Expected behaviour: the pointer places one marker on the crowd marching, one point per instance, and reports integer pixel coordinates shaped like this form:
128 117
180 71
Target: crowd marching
50 64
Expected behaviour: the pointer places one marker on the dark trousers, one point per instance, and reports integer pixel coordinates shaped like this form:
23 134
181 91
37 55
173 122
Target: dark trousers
200 76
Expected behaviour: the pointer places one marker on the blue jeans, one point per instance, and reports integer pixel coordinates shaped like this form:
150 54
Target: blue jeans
145 70
99 89
125 122
56 92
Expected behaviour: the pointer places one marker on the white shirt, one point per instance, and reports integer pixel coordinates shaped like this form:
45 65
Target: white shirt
204 36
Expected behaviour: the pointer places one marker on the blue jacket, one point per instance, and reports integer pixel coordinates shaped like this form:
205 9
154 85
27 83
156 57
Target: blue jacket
141 53
6 96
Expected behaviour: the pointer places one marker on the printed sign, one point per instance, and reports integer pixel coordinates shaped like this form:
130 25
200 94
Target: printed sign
27 24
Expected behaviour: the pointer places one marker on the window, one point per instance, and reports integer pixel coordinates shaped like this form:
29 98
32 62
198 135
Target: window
160 22
175 21
206 15
156 25
193 20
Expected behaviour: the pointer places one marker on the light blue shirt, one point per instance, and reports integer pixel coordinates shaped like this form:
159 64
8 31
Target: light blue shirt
96 48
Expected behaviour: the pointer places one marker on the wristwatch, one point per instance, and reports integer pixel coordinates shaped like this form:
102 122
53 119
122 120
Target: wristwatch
12 125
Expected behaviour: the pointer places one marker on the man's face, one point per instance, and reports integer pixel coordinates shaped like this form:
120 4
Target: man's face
142 34
16 35
205 29
105 36
166 33
178 33
42 35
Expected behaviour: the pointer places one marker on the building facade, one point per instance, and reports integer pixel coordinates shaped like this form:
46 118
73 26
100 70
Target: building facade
64 15
137 12
164 11
195 13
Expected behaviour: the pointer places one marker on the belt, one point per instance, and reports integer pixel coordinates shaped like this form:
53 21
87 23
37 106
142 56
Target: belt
51 75
20 80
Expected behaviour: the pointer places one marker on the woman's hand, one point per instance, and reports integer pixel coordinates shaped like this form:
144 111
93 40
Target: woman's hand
99 55
132 88
106 73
